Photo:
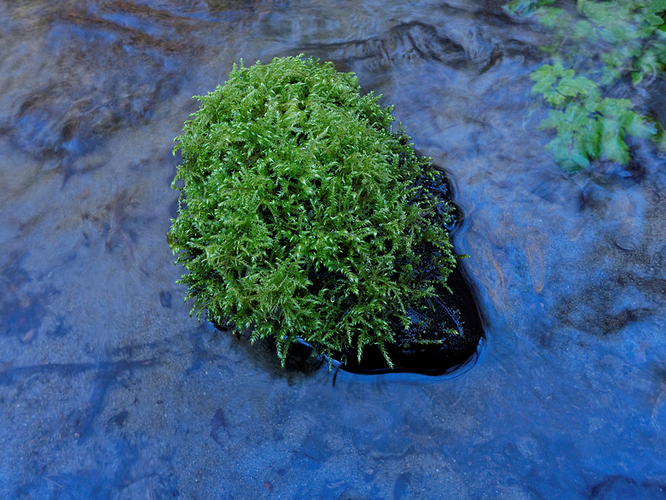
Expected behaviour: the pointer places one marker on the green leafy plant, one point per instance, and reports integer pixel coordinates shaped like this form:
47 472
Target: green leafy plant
302 214
631 35
587 125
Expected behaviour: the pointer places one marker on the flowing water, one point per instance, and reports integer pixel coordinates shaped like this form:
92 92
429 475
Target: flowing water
108 389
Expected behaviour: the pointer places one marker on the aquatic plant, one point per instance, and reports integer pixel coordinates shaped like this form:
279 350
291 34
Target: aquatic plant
590 125
303 216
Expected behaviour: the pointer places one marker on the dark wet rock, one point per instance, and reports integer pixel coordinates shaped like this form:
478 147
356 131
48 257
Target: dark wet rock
448 313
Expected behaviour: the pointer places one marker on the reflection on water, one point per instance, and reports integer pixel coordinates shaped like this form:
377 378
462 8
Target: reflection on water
110 390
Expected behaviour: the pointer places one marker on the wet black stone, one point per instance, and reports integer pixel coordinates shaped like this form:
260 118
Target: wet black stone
454 350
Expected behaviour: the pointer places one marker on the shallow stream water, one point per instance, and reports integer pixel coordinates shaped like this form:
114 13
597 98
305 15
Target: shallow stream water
108 389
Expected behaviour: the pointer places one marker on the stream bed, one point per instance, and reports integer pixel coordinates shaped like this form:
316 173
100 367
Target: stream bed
110 390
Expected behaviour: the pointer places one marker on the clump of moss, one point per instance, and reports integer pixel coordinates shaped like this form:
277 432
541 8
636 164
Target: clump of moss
302 214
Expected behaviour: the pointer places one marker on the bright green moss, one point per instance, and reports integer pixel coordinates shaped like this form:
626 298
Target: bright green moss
302 214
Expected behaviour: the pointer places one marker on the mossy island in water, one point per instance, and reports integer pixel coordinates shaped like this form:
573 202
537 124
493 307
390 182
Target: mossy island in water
304 218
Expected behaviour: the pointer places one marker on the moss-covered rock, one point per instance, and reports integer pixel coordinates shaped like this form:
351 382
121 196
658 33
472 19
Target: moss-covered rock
303 214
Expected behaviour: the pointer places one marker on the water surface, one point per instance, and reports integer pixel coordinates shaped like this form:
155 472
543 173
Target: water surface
108 388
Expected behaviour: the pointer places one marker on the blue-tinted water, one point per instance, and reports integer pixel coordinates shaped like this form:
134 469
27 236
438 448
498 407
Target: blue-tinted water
108 389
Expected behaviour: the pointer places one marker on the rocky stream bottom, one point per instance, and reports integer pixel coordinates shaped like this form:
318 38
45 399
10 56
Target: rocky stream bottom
110 390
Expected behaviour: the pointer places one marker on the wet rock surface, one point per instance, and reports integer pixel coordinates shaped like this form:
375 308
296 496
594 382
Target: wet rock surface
444 338
109 389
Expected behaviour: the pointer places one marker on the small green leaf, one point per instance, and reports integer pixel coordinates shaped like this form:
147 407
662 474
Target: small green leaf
554 18
613 146
583 30
638 127
657 6
544 81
